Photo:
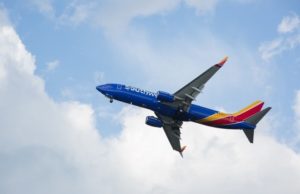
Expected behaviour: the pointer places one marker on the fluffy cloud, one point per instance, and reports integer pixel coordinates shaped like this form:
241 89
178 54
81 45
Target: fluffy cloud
216 161
288 39
51 147
289 24
40 139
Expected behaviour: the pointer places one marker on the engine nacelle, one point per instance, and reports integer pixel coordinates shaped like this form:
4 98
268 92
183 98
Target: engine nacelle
164 97
153 121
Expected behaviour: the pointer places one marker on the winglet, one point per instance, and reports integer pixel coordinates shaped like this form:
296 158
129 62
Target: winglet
222 62
182 149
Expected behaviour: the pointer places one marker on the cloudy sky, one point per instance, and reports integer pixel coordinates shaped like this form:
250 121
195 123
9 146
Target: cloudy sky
59 135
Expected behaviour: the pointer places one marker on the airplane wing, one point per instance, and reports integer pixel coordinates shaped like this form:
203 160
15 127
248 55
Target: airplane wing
172 130
189 92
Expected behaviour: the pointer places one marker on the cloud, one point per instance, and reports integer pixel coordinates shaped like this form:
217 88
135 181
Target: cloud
52 65
115 15
39 137
275 47
77 12
297 108
213 157
45 7
289 24
202 5
270 49
52 147
288 39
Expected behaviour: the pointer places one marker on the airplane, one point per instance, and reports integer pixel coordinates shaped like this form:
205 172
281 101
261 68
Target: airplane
172 110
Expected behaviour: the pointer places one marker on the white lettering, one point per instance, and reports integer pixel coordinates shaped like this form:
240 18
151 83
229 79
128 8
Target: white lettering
141 91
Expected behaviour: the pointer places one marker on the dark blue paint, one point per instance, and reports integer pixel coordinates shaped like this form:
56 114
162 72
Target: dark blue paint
147 99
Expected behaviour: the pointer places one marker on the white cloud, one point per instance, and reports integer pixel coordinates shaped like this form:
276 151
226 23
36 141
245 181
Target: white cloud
289 24
45 7
24 62
38 135
77 13
50 147
288 39
115 15
297 108
275 47
295 140
202 5
52 65
213 157
270 49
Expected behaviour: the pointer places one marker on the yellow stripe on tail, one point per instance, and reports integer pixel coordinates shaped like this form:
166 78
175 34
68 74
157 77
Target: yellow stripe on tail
248 108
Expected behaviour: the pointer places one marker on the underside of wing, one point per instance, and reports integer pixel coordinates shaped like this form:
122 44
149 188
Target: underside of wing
172 131
173 134
189 92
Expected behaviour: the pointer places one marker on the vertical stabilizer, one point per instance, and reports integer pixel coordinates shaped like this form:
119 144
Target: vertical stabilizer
248 111
253 120
249 134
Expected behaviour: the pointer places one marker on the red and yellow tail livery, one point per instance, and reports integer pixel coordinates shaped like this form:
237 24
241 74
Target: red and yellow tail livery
220 119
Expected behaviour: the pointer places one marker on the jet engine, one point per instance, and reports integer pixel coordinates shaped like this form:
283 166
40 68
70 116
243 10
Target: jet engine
153 121
164 97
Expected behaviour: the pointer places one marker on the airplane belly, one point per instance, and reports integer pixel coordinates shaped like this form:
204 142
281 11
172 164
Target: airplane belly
196 113
164 109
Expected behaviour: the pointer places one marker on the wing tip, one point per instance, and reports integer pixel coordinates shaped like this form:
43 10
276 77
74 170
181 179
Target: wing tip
222 62
182 149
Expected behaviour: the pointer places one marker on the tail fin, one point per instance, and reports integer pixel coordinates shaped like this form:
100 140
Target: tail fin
253 120
250 110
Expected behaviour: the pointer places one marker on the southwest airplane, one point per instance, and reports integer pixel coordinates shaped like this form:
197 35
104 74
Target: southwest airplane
173 109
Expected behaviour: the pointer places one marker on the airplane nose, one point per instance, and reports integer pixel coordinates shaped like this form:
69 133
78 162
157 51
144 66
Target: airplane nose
100 88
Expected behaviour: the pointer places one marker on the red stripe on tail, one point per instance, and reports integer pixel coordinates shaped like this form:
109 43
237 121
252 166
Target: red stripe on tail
248 113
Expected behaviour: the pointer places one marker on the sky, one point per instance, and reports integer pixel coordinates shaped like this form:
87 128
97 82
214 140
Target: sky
59 135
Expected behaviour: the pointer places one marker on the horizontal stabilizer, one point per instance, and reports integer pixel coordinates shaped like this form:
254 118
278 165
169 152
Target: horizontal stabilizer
254 119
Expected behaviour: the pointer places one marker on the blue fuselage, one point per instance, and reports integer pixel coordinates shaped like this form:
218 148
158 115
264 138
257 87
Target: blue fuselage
146 99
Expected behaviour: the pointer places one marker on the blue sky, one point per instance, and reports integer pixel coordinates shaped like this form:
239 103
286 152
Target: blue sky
155 45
